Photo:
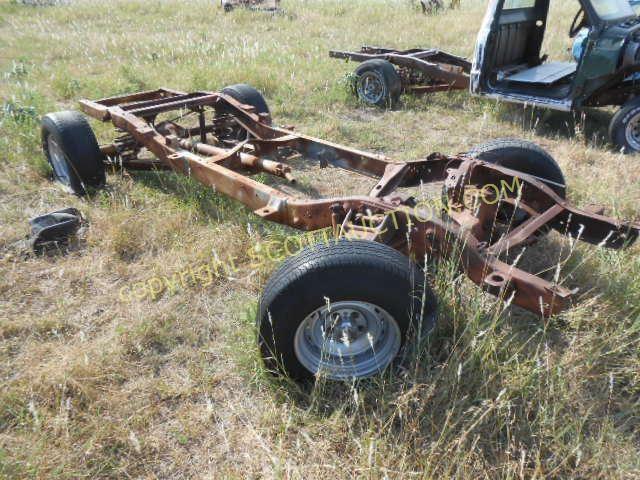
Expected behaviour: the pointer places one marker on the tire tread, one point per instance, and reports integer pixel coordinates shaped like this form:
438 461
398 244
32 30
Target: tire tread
549 168
80 145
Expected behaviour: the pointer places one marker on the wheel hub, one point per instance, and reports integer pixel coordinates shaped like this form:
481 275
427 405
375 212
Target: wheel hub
371 87
632 132
347 339
345 326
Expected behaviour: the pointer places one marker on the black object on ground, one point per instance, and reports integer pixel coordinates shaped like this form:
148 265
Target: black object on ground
54 229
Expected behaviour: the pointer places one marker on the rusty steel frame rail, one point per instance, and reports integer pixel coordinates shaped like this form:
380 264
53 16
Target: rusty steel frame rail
384 215
446 71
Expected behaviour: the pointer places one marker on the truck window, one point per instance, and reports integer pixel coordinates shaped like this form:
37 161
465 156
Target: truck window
513 4
612 9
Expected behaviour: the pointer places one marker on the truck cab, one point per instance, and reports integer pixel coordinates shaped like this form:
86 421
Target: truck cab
509 64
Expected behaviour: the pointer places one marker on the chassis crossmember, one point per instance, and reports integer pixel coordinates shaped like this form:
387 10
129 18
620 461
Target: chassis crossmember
231 140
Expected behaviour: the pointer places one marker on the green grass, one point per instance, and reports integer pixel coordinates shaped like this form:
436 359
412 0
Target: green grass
171 387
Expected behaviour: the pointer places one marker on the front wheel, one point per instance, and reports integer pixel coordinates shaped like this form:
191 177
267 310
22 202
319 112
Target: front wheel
624 129
525 157
342 310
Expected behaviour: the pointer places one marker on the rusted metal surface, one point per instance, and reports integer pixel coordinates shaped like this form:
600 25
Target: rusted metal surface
421 70
477 234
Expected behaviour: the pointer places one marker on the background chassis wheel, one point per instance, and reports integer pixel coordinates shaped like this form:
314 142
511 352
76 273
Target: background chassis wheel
377 83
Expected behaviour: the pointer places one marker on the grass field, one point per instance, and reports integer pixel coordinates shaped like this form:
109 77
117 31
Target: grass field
98 380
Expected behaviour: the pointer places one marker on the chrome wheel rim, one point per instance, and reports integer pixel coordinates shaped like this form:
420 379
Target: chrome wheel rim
371 87
347 339
58 161
632 132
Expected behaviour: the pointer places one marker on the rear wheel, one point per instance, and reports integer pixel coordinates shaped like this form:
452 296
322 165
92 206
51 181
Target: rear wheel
72 150
342 310
624 129
230 130
248 95
377 83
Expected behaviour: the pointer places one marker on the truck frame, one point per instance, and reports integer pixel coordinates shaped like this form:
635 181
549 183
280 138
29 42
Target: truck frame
233 137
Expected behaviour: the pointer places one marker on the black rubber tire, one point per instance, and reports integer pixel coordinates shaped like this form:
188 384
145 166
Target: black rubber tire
525 157
73 134
248 95
386 72
338 270
618 127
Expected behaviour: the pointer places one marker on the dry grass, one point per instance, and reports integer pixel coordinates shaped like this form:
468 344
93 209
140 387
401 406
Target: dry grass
171 387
